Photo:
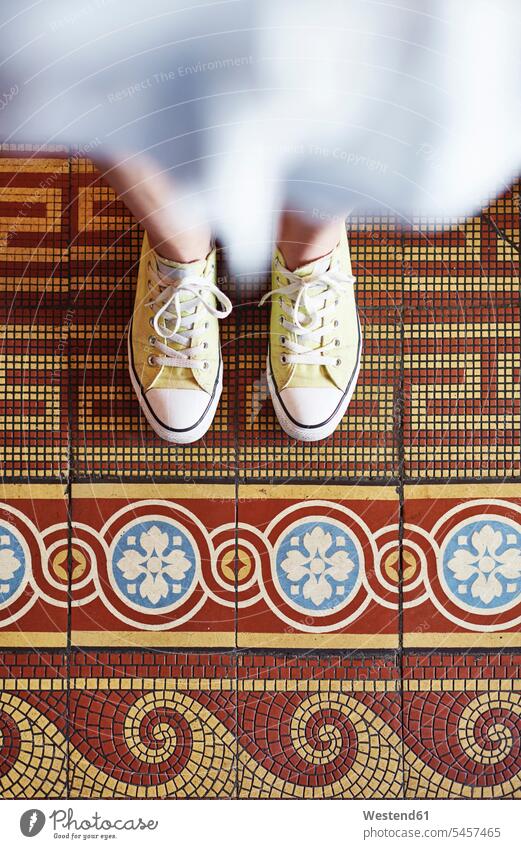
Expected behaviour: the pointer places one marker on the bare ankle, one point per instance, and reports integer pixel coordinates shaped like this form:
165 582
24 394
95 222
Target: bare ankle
183 251
302 240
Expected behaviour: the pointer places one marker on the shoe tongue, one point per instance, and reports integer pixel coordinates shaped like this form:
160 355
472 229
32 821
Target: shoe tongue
317 266
178 270
314 268
168 268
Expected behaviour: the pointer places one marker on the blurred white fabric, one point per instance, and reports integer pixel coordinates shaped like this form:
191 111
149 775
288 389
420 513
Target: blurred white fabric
255 104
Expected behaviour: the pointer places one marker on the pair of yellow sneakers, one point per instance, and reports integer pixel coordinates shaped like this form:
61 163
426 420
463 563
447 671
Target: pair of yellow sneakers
174 351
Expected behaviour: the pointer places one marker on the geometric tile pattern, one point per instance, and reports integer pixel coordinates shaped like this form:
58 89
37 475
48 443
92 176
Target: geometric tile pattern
159 570
462 378
319 727
466 541
462 347
287 571
439 304
440 311
156 725
461 724
34 598
34 226
326 566
331 620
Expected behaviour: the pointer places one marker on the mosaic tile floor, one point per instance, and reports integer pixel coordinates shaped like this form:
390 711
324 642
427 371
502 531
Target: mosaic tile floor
397 676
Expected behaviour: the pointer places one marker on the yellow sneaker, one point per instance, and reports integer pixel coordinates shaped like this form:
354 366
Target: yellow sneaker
173 345
315 343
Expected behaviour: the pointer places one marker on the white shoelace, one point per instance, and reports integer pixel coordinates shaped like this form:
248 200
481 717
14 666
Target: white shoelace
177 301
311 313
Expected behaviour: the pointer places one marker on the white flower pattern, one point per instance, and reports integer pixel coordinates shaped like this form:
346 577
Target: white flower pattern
482 565
320 568
154 565
8 563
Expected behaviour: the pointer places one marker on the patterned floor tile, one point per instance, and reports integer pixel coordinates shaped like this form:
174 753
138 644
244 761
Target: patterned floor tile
461 567
363 446
34 565
319 727
215 589
466 262
33 725
34 314
160 565
152 725
461 726
377 256
462 391
317 566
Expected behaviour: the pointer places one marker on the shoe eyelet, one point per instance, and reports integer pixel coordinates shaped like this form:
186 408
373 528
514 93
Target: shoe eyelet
282 340
206 364
335 323
281 319
338 362
337 343
283 358
205 345
151 322
152 340
206 325
152 361
336 302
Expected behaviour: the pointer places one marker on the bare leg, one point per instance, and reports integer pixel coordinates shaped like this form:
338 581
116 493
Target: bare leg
151 198
302 239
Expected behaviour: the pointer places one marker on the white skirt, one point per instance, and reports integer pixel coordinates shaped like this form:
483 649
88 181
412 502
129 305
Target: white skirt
319 106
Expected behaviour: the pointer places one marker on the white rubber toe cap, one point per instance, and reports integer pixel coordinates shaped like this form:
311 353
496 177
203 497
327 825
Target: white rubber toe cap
310 407
178 409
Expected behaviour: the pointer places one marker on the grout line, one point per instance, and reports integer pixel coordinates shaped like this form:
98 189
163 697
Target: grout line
399 411
236 409
499 232
68 657
142 480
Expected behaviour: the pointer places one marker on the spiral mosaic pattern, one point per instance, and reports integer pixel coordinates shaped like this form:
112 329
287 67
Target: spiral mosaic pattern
32 748
489 730
470 744
162 745
258 731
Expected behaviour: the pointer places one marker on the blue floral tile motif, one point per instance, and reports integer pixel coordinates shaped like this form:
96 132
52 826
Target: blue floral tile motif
154 564
13 565
482 564
317 566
